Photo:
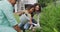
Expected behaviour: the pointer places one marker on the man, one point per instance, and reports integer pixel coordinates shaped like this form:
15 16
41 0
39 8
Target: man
7 20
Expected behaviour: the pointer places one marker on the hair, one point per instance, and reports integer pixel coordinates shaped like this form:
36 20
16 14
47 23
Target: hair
29 7
26 5
39 6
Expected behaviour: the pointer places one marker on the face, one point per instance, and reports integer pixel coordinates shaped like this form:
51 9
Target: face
31 10
37 8
13 2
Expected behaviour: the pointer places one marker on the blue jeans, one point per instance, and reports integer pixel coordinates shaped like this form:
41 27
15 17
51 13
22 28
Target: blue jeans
27 25
24 26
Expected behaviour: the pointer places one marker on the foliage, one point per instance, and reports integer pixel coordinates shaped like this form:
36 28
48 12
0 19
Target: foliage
17 17
44 3
50 18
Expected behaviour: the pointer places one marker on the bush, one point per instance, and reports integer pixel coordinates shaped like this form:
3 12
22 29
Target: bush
50 18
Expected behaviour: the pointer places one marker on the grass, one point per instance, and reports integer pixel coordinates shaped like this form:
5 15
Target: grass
50 18
17 18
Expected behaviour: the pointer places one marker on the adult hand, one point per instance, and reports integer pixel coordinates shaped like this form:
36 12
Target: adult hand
17 28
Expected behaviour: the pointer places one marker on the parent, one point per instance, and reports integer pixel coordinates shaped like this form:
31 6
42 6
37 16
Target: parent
7 20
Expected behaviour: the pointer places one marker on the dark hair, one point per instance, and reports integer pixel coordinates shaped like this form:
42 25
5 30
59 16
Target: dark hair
26 5
39 6
29 7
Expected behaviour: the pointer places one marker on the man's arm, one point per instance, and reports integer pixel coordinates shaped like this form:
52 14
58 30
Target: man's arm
10 17
17 28
19 13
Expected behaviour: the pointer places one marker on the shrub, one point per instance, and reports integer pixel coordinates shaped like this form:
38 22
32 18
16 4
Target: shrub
50 18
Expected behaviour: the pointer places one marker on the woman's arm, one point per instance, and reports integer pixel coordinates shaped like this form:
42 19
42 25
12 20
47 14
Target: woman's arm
30 20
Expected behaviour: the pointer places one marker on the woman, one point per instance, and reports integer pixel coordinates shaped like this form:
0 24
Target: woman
36 15
25 18
37 9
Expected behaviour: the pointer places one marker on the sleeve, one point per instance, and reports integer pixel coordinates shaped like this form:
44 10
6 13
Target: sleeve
1 16
28 16
10 17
